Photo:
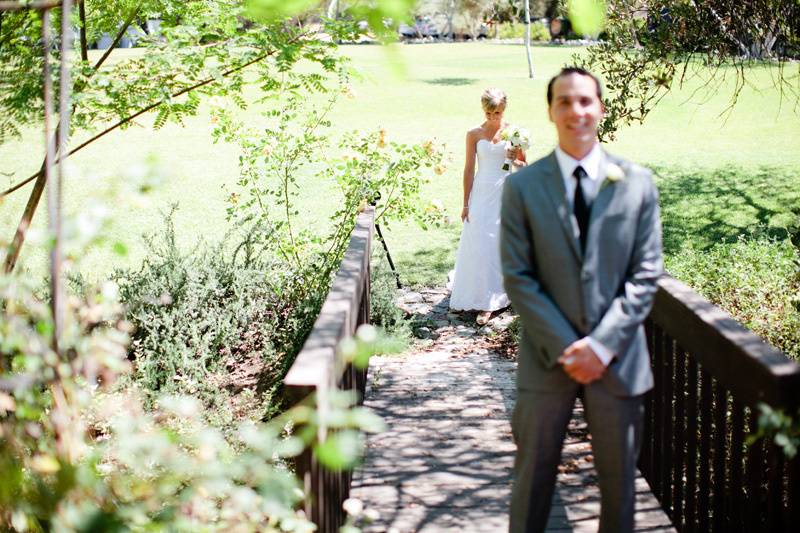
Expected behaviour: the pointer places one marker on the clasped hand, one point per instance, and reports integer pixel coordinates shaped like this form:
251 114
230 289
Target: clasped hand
581 363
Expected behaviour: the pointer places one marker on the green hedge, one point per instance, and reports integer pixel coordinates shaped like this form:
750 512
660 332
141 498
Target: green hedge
509 30
756 280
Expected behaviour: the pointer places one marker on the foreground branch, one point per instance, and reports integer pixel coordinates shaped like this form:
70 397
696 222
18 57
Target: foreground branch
40 177
133 117
30 209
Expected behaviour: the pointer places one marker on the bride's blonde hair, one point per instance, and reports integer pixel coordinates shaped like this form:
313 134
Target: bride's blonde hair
492 99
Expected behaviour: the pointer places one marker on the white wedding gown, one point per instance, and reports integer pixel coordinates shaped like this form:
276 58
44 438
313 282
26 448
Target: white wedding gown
477 281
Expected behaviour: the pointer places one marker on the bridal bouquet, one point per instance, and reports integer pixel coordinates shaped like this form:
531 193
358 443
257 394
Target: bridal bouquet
519 138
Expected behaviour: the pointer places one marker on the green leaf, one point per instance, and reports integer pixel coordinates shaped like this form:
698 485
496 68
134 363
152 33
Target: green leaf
120 249
340 451
290 447
588 17
366 420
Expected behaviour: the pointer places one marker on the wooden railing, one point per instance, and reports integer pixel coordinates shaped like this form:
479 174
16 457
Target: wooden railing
318 368
710 375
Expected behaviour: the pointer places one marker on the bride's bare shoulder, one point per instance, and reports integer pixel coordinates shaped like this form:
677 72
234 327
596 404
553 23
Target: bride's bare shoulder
475 133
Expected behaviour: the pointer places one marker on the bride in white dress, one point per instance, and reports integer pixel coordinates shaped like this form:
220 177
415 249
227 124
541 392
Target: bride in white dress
477 282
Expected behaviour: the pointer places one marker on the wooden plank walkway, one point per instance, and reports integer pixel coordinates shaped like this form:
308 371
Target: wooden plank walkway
445 462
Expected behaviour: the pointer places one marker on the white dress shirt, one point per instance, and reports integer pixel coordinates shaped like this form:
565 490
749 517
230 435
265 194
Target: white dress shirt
591 164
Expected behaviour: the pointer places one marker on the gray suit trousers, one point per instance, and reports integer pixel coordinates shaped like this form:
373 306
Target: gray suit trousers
539 424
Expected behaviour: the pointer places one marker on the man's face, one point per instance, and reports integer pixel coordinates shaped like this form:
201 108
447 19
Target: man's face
576 110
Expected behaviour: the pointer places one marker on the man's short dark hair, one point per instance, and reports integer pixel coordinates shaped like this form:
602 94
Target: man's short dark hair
566 71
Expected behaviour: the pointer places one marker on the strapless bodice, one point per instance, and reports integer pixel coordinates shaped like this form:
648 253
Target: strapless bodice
490 160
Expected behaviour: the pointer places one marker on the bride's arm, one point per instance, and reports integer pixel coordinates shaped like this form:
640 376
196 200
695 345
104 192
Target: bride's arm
469 173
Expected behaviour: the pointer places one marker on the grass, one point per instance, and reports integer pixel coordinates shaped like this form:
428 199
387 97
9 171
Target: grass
691 136
720 173
705 207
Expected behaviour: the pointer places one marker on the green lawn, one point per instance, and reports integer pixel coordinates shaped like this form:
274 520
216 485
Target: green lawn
722 174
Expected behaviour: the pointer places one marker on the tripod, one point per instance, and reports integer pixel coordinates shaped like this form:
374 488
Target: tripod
373 203
388 256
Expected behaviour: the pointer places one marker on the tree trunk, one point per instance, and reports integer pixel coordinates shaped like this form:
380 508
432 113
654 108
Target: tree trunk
764 43
84 45
451 13
528 37
333 9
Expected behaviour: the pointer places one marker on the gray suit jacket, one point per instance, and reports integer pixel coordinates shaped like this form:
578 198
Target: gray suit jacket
562 295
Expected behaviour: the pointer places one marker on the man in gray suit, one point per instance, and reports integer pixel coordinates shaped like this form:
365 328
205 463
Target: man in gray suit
581 252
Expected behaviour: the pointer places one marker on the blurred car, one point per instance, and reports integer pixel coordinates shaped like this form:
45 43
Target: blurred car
421 28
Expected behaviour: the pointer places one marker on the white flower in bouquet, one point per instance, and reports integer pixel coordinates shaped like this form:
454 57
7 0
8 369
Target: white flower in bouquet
518 138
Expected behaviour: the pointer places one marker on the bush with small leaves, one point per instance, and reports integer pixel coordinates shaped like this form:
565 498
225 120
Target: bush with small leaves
756 280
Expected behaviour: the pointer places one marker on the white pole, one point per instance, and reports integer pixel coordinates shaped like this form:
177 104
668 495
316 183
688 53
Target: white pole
528 37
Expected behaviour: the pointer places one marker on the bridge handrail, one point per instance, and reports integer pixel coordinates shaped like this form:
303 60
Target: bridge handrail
710 375
318 367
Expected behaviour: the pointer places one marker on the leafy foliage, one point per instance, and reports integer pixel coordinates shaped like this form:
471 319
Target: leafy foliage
517 31
587 16
81 453
757 281
634 80
641 58
201 46
782 428
206 322
20 92
514 12
182 58
372 169
80 450
384 312
78 456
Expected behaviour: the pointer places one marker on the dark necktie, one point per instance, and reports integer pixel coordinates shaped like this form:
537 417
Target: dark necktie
580 207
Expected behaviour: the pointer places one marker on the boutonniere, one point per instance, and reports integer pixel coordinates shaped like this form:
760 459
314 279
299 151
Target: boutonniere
614 173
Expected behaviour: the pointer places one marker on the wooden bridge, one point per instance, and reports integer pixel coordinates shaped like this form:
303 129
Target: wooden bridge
444 464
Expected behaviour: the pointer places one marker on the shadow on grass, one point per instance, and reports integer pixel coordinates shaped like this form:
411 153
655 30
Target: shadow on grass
428 266
454 82
708 206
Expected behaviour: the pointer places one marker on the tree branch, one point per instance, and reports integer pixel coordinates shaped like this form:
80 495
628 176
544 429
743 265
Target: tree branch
84 45
724 27
134 116
40 177
33 201
118 38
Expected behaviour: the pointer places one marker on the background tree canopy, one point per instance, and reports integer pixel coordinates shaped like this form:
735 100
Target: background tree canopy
201 49
648 45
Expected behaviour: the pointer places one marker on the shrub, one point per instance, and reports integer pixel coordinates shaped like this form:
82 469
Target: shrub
756 280
510 30
78 455
218 324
